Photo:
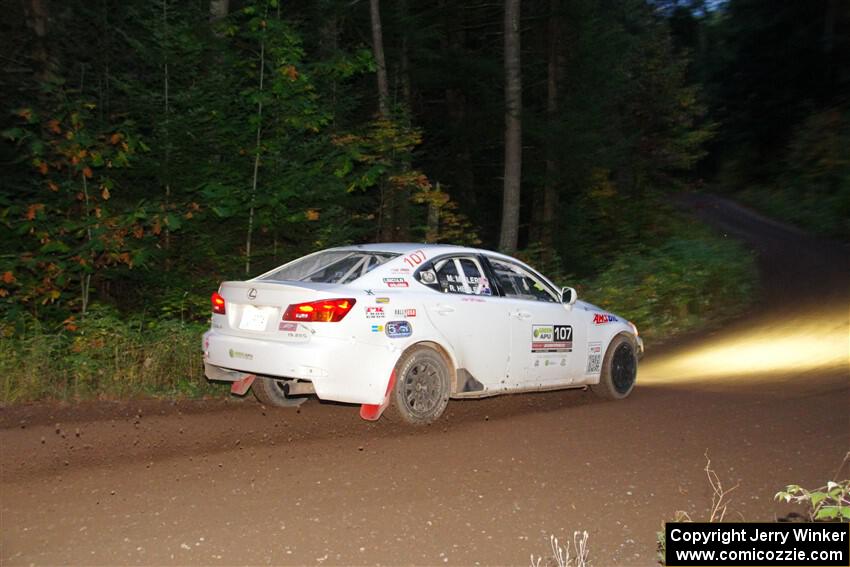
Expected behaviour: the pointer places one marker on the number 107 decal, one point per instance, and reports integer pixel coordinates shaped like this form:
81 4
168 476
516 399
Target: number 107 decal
551 338
563 333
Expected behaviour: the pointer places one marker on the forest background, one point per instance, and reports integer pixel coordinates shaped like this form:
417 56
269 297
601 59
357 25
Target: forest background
153 148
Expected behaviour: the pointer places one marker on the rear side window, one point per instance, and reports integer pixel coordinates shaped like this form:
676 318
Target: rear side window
333 266
455 275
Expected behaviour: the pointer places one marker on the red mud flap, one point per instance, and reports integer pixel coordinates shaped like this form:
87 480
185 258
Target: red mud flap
372 412
240 387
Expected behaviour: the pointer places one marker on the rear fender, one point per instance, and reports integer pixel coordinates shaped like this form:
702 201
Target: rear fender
373 412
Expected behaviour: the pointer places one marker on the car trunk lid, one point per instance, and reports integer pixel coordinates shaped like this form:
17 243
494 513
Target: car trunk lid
256 308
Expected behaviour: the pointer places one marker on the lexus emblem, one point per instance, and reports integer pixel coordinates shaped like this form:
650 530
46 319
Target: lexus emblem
252 293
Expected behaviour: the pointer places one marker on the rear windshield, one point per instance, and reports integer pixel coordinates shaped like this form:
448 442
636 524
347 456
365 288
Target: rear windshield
333 266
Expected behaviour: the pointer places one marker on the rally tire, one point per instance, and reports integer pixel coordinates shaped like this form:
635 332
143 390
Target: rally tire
422 387
270 392
619 369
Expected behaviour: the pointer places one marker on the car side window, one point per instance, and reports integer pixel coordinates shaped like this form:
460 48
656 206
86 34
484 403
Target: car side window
455 275
518 283
478 283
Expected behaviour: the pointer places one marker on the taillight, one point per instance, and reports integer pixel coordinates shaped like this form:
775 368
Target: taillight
217 303
327 311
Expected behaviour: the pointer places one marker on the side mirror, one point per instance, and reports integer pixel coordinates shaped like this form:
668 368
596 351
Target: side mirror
568 296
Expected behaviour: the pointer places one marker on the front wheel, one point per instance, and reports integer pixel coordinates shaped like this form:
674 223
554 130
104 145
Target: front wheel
421 391
619 370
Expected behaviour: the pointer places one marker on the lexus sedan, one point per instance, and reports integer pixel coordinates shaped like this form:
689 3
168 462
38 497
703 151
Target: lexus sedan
406 327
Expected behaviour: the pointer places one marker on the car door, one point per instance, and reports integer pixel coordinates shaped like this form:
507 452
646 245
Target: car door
476 325
548 339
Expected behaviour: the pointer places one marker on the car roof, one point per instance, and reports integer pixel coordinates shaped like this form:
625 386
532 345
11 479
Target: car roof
407 247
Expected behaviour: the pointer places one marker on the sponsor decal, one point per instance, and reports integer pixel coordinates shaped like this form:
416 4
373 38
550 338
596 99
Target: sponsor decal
242 355
374 312
602 318
483 286
551 338
377 328
291 330
414 258
473 300
382 300
400 271
396 282
594 358
370 292
428 277
252 293
399 329
542 332
549 360
405 312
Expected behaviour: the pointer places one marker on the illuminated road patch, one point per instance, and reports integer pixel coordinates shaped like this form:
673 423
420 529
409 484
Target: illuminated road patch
798 343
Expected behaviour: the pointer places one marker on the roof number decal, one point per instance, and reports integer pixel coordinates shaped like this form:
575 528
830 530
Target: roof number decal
414 258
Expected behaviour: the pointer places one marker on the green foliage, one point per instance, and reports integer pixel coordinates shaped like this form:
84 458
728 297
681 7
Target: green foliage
830 503
693 278
105 357
813 189
140 138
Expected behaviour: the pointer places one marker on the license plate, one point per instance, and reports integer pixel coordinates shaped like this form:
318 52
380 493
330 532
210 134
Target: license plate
253 319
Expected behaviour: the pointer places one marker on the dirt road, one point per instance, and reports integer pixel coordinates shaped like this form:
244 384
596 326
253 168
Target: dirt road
225 483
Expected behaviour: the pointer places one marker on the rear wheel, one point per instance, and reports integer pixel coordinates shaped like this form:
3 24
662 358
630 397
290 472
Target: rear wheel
272 392
619 370
421 391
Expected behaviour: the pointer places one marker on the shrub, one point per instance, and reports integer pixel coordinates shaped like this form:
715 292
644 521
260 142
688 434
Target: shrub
678 286
103 356
830 503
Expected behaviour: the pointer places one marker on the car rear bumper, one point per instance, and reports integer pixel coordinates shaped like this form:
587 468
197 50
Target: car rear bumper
340 370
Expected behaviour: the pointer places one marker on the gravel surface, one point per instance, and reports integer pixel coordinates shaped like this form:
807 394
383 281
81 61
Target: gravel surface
232 482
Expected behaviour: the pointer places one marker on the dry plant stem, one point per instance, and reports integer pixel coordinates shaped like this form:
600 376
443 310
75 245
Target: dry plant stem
720 497
563 556
837 474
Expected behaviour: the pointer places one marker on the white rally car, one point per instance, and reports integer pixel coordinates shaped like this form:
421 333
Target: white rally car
408 326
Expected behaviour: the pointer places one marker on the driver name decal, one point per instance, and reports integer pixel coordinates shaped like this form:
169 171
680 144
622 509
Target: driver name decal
551 338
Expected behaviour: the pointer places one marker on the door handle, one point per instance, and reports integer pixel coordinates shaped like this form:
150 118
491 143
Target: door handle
521 315
444 309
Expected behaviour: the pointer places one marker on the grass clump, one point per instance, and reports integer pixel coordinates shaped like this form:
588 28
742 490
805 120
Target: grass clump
103 357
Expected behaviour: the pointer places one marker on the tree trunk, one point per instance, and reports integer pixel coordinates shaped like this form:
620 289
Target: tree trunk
453 44
550 190
386 216
509 234
380 62
219 9
401 215
256 160
166 173
37 18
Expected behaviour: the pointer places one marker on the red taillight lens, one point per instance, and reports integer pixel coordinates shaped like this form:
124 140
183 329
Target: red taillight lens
217 303
327 311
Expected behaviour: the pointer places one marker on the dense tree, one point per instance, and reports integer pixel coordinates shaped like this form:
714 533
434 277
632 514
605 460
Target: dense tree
210 139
